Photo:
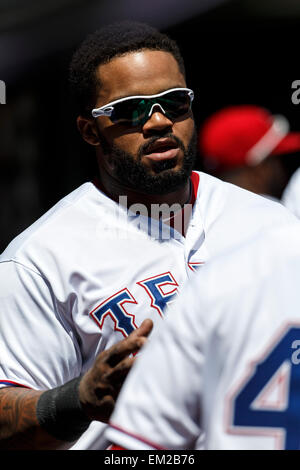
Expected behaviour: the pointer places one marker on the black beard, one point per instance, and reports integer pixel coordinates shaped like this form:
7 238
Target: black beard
134 175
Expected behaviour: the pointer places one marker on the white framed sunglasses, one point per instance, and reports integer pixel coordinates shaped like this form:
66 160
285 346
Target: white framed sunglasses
136 110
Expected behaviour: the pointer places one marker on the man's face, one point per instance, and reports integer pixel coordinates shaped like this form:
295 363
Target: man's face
156 157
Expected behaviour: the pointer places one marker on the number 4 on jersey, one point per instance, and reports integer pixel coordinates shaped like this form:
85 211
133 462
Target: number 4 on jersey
250 412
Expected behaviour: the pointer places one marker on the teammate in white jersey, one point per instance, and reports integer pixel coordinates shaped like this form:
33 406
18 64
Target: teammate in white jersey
291 195
87 274
226 361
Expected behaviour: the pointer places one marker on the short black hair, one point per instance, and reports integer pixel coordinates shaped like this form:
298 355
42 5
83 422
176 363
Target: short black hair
103 45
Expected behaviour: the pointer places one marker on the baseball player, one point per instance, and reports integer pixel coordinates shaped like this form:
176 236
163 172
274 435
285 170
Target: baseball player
248 146
76 286
226 361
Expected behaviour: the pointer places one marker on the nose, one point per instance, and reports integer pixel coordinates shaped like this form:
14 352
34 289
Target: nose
157 120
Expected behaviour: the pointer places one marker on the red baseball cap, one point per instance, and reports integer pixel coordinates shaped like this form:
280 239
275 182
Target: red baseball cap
244 135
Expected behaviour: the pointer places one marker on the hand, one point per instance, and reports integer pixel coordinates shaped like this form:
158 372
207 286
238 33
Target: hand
100 386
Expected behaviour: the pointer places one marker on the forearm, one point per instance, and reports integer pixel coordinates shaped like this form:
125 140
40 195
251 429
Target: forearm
54 419
19 425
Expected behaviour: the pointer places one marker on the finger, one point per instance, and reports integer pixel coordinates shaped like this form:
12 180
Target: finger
118 373
124 349
130 345
145 328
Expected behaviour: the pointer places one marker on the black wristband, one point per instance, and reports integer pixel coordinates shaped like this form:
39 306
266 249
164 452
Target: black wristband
60 413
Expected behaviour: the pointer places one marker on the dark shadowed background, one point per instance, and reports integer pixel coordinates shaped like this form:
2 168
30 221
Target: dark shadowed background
242 51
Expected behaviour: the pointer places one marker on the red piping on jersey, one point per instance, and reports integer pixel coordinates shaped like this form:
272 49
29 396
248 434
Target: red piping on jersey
149 443
195 179
196 263
11 383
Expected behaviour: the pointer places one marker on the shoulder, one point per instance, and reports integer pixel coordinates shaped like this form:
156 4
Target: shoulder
68 214
253 281
256 257
236 213
212 187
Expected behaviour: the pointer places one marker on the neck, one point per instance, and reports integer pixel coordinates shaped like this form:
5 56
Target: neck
173 208
115 191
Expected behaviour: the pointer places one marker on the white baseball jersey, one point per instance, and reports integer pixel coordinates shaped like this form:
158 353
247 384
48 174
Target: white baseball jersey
291 195
88 272
226 361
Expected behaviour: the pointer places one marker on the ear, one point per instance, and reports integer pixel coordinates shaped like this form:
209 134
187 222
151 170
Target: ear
88 130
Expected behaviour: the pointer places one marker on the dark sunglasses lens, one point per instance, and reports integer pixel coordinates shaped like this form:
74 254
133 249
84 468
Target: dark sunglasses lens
176 103
140 114
125 111
135 111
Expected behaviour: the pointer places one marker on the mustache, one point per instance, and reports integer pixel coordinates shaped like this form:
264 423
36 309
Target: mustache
144 148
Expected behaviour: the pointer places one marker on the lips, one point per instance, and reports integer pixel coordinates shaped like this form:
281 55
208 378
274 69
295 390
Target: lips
162 149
